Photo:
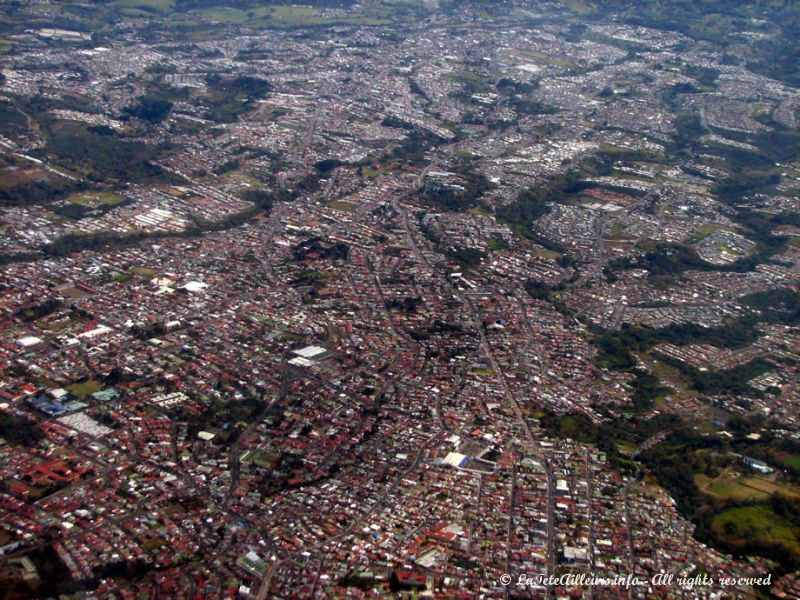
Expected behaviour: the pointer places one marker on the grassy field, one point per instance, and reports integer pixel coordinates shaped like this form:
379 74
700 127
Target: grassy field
259 459
756 523
343 206
771 487
646 245
292 16
10 179
73 292
370 173
467 78
630 176
232 16
544 252
729 488
81 390
670 375
95 198
578 6
135 13
706 229
280 16
483 372
547 60
790 460
739 489
122 277
162 5
145 272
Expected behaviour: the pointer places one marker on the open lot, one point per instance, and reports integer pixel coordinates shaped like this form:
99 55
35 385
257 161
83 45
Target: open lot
758 523
81 390
728 486
96 198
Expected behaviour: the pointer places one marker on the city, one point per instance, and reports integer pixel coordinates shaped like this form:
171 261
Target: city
394 299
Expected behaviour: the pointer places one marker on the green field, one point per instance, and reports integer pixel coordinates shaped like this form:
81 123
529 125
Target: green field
81 390
145 272
370 173
734 490
790 460
122 277
706 229
96 198
548 60
74 292
742 488
578 6
232 16
343 206
276 16
483 372
758 523
280 16
624 176
135 13
467 78
259 459
151 4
